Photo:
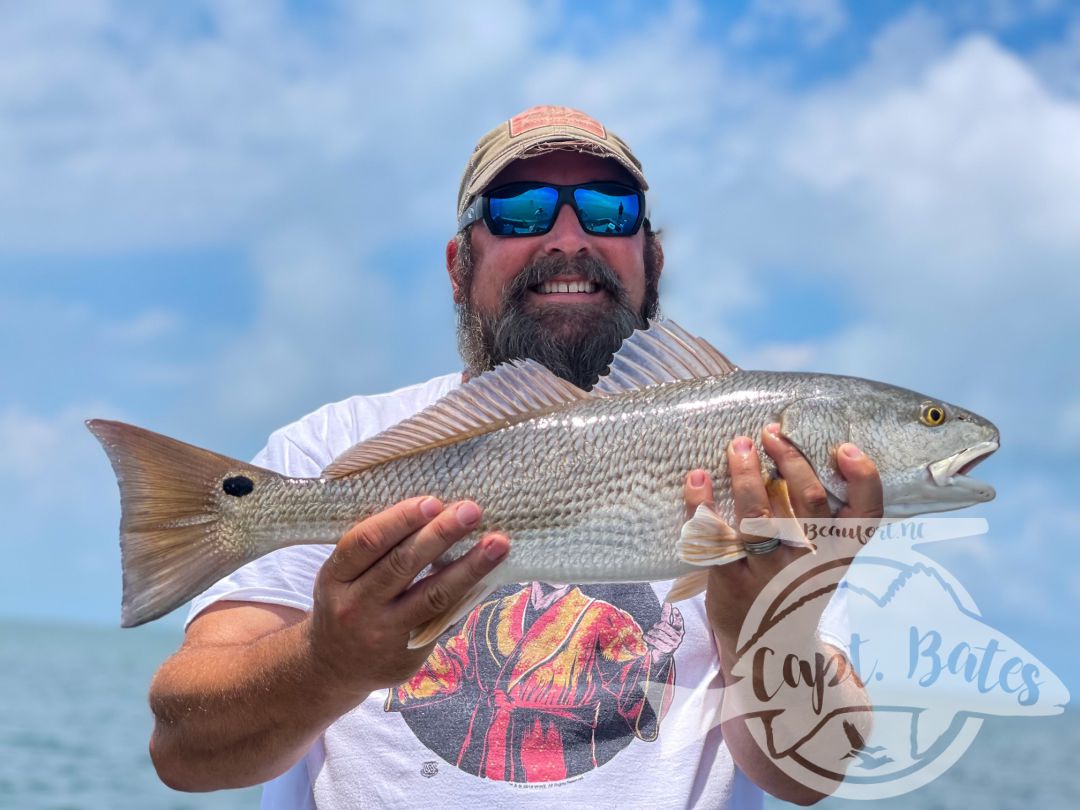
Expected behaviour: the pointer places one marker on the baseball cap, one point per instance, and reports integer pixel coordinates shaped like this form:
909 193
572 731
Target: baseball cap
535 131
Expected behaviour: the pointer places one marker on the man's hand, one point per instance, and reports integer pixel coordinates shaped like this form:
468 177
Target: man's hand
733 587
366 600
255 684
664 637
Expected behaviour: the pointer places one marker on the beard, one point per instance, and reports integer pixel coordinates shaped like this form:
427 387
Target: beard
574 341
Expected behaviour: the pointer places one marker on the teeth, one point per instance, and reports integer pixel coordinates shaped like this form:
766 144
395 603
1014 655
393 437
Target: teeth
552 287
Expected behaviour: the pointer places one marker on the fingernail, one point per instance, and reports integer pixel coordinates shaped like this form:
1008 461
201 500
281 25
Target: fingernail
468 514
493 550
430 507
697 479
773 429
742 445
851 451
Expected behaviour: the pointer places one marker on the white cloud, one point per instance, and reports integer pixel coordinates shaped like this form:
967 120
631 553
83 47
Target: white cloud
935 187
54 475
60 513
130 133
817 21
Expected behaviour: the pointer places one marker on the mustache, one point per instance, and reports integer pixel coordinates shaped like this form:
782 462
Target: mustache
546 268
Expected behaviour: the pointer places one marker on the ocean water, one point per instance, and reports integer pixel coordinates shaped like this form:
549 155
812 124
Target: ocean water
74 723
1015 763
74 726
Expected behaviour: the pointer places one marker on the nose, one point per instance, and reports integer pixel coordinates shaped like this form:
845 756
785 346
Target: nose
566 235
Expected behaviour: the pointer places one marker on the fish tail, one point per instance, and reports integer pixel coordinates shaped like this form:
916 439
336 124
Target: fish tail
175 540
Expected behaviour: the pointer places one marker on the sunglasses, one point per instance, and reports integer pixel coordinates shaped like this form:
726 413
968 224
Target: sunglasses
529 209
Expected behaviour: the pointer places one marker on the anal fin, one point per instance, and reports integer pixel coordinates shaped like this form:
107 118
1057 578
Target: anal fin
688 585
430 630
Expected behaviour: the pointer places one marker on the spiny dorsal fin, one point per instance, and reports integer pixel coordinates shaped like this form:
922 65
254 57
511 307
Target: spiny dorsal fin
664 353
511 393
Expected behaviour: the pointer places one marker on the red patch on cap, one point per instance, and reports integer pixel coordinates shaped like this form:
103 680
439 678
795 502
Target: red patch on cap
548 116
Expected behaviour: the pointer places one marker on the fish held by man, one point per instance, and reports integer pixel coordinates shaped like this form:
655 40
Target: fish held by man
587 484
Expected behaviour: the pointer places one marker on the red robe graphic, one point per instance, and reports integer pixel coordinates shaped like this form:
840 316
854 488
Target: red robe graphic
549 692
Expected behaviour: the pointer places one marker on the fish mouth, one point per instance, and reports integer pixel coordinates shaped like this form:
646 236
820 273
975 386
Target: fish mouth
952 471
946 486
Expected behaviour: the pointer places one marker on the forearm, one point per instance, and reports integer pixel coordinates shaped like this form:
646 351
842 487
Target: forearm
800 722
234 715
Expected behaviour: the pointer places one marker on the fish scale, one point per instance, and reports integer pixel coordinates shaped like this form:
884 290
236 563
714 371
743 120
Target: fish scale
587 485
625 500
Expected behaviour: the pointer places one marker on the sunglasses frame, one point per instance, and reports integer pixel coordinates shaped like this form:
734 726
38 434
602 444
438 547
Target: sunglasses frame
480 208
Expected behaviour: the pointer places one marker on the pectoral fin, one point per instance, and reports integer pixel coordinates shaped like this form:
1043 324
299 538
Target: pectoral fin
783 523
779 498
707 539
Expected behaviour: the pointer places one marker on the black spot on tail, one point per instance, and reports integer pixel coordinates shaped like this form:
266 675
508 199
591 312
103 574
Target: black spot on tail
238 486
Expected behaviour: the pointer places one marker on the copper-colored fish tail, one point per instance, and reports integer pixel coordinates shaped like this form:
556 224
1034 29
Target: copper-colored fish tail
171 526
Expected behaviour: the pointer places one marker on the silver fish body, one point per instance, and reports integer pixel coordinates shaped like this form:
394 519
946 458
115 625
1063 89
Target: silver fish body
589 489
593 493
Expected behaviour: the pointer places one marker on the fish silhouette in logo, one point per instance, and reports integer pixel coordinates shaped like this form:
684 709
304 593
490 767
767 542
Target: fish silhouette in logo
922 644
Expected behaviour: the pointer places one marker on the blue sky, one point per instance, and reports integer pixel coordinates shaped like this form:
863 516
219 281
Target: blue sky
216 217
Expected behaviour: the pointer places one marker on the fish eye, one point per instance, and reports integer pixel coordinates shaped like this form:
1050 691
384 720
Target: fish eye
932 414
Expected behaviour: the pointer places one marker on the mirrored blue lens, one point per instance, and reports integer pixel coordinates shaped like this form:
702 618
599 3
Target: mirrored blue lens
523 212
611 210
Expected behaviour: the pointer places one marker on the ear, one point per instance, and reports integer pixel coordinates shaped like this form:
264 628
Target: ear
451 268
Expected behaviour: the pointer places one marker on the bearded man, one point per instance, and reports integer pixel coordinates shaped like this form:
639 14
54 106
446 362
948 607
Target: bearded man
295 669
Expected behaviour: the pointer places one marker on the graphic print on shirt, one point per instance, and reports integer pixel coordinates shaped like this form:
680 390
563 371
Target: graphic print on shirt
543 683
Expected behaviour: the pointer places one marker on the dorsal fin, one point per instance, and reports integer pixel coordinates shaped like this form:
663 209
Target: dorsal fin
506 395
664 353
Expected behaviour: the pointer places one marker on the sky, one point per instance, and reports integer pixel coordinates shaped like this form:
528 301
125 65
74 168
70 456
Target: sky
217 216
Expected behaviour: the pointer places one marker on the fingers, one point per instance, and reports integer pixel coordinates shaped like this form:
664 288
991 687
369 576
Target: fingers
865 499
752 501
808 496
397 569
437 593
697 490
663 638
676 619
367 541
747 487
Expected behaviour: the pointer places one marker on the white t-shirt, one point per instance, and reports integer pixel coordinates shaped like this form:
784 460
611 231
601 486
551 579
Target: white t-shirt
518 706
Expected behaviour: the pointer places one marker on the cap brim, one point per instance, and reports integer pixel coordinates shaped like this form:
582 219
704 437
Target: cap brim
527 148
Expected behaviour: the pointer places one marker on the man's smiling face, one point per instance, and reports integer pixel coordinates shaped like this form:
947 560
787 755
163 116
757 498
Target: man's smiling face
498 260
564 298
